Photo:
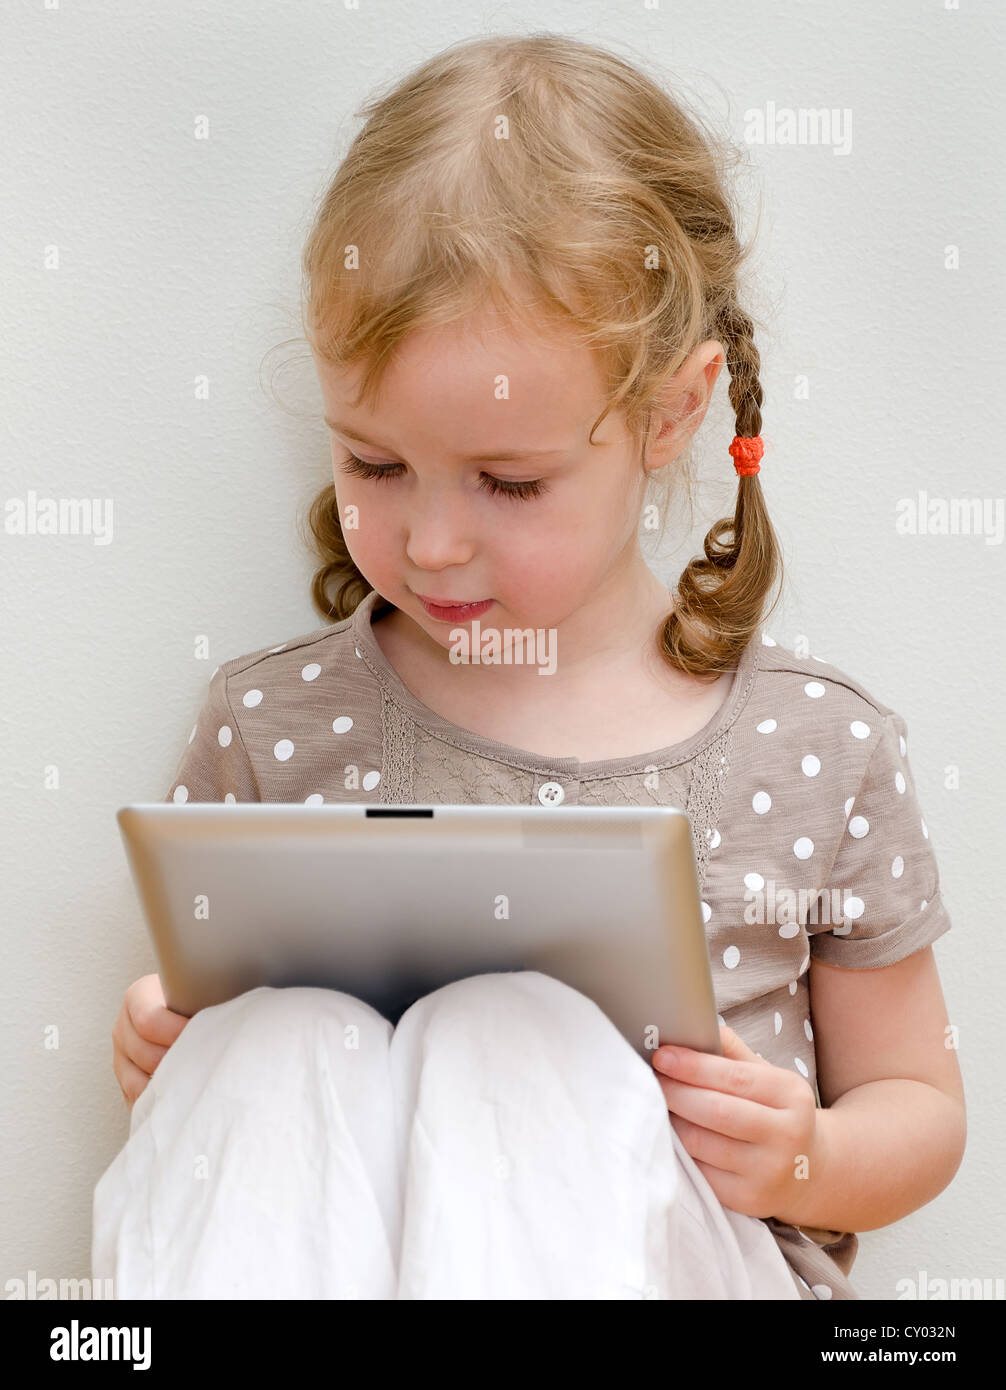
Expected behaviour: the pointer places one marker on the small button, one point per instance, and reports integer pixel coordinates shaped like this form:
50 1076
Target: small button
550 794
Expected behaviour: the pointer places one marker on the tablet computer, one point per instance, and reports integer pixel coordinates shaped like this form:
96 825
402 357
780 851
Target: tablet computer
391 902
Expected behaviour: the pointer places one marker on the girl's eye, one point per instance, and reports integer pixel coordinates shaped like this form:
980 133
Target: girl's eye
504 487
362 469
497 487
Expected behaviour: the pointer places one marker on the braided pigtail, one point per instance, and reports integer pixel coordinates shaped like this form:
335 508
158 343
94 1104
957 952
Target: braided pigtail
720 600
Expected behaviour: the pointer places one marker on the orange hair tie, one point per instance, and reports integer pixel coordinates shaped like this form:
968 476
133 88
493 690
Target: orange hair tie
746 453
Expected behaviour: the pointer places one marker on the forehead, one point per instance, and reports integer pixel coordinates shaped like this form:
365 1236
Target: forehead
481 381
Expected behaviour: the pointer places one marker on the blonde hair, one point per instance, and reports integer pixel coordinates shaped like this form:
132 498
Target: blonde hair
544 163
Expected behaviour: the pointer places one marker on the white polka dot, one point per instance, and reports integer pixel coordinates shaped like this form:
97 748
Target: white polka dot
804 847
820 1290
897 866
277 649
370 781
230 799
767 726
311 671
858 729
181 793
193 733
788 930
761 801
707 912
899 782
755 882
342 725
925 830
853 908
811 765
801 1066
315 799
251 698
777 1022
224 735
903 745
767 641
792 986
858 827
849 805
714 839
808 1030
731 956
814 689
283 750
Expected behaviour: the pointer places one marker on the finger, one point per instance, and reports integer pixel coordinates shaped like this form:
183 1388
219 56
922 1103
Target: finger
157 1024
729 1155
730 1188
132 1080
735 1046
733 1116
756 1080
146 1055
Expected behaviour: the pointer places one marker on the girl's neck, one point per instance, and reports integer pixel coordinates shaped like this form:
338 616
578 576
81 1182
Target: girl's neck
614 696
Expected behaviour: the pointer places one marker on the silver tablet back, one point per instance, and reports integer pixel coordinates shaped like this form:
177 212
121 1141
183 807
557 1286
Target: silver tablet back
391 902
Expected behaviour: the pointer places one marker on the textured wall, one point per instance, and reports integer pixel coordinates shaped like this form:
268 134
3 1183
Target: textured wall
138 258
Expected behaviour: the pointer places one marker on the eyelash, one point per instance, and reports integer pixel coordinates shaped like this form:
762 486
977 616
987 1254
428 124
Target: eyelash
496 487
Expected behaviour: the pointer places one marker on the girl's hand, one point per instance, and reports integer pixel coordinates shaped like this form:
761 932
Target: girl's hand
143 1032
751 1127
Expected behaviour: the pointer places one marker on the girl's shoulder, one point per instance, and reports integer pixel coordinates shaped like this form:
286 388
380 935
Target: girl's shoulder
817 734
798 678
808 704
327 643
271 717
822 798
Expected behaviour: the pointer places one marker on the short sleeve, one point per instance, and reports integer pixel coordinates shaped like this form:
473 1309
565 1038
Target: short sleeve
883 896
215 766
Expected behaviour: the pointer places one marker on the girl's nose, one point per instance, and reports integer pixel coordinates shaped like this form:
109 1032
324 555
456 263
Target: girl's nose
439 533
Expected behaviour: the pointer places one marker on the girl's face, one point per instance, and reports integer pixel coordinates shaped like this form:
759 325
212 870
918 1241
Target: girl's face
484 485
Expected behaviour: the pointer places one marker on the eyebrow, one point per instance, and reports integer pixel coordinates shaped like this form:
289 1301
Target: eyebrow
499 456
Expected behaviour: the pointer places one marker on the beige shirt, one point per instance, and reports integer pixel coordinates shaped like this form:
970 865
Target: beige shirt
808 835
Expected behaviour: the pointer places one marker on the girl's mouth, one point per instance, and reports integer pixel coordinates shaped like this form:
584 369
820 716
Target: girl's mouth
455 612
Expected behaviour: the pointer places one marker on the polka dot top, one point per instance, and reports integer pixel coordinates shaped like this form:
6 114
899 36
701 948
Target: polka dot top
809 839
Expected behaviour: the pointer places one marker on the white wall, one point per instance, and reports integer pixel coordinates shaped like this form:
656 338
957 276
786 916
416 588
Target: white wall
178 257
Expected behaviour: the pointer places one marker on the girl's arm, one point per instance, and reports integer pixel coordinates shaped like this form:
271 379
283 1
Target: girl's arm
894 1127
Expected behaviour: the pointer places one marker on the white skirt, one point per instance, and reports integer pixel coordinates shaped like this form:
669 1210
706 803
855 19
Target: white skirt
503 1142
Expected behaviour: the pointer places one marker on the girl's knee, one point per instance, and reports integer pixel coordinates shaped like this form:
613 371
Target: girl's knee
294 1006
271 1046
258 1034
487 1035
533 1003
531 990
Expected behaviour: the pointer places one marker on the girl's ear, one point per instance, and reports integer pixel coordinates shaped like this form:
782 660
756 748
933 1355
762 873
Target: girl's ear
682 403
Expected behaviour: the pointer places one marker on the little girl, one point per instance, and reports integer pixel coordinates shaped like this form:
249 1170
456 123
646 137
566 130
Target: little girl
521 287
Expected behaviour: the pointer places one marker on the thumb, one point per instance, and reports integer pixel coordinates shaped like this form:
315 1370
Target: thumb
735 1046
